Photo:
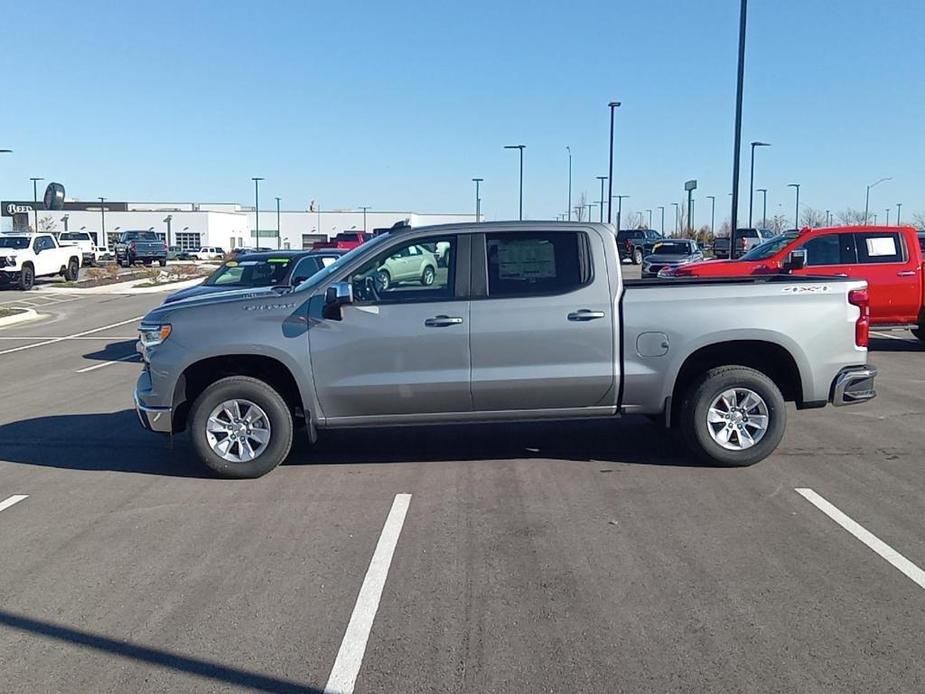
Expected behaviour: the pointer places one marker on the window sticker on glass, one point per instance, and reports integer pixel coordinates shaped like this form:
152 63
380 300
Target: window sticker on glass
327 261
881 246
281 261
526 260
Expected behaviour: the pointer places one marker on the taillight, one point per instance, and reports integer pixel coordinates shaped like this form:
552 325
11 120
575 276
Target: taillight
861 299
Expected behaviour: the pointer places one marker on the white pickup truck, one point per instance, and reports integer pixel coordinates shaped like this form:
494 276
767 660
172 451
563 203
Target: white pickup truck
23 257
84 241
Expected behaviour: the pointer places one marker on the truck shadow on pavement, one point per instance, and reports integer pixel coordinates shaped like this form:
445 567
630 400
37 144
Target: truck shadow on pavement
116 442
114 351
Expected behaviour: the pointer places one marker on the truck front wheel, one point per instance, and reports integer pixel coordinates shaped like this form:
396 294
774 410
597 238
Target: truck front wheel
26 277
73 270
241 427
733 416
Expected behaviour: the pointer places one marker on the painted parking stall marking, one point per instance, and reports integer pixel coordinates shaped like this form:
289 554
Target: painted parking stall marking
71 337
127 357
911 571
12 501
353 647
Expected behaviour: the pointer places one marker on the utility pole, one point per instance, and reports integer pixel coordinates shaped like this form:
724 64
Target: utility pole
569 149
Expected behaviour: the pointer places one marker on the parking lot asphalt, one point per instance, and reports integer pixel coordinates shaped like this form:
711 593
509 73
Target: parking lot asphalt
591 557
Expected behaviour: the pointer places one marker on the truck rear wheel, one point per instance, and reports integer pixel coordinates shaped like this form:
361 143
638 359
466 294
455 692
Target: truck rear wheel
241 427
733 416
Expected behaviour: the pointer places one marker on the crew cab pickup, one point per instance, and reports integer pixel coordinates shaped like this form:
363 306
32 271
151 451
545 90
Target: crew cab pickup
346 240
889 259
84 241
140 247
23 257
528 321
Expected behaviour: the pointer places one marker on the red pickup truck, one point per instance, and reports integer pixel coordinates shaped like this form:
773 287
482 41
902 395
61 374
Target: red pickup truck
346 240
889 258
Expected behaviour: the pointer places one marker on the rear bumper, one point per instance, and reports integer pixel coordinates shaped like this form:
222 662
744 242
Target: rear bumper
853 385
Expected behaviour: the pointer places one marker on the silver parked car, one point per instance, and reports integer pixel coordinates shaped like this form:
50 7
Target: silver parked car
410 264
670 253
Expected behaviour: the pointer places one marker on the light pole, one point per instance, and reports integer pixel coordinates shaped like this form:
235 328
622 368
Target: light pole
569 149
867 200
650 218
64 219
888 216
257 180
712 213
278 226
751 183
796 213
167 220
35 200
764 207
103 224
737 147
662 210
828 218
677 217
612 105
899 207
619 208
364 208
590 206
478 200
602 179
520 148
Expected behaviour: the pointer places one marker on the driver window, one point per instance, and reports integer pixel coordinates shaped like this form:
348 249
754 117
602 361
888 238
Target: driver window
408 273
829 249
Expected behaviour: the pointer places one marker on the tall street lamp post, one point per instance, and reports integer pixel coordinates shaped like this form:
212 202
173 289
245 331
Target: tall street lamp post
602 179
257 180
796 209
520 213
590 206
764 207
867 199
899 207
478 200
619 208
569 149
167 220
712 199
737 145
650 218
278 242
888 216
103 224
64 219
662 210
35 200
613 105
677 217
364 208
828 218
751 183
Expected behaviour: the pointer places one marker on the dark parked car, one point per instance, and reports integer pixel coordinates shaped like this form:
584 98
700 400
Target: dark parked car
670 253
636 244
140 247
745 240
269 269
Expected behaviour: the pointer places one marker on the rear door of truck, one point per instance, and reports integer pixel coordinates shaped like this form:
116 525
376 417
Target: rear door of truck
542 321
894 272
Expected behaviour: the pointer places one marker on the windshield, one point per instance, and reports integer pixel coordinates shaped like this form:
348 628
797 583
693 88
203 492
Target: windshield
74 236
266 272
343 261
765 250
672 248
14 242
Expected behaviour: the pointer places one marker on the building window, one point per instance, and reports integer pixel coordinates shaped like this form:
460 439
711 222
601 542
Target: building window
189 240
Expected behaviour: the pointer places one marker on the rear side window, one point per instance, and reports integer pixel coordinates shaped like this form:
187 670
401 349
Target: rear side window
537 263
879 247
830 249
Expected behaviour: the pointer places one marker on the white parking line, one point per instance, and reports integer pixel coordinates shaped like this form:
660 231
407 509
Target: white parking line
353 647
107 363
898 561
71 337
15 499
65 337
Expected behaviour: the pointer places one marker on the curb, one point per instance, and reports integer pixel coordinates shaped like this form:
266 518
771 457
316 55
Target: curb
126 287
27 315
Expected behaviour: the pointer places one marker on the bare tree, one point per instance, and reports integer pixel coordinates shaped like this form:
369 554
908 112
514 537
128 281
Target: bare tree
580 206
778 223
850 216
47 223
812 217
918 220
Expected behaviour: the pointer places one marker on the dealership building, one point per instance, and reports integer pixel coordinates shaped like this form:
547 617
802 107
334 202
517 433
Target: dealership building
191 225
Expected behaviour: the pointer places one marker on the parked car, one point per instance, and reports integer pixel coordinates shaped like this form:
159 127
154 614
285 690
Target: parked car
413 263
140 247
83 241
636 244
345 241
272 269
888 258
543 328
23 257
208 253
670 253
745 240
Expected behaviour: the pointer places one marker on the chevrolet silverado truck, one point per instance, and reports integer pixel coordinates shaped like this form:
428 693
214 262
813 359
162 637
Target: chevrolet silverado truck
344 241
84 241
889 259
23 257
140 247
528 321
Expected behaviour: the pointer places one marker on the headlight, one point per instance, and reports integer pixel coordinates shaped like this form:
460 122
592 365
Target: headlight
11 259
153 335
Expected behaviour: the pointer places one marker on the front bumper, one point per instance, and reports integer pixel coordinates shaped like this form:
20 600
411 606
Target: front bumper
156 419
853 385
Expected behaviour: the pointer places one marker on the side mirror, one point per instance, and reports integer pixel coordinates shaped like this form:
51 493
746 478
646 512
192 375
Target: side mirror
337 295
796 260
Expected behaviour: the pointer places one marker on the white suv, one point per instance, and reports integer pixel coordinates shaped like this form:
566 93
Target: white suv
208 253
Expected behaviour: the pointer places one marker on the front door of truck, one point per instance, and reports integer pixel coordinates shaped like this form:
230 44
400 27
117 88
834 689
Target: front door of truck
402 348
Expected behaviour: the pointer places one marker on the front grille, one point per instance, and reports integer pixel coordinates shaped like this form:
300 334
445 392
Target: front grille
4 263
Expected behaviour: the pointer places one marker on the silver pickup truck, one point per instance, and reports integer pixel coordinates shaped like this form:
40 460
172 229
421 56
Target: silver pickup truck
526 321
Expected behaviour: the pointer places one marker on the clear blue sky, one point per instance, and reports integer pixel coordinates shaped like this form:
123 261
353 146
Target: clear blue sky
398 105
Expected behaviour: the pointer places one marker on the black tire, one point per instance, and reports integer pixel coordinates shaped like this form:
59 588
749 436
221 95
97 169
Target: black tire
428 276
147 263
703 392
27 277
125 262
919 333
162 263
258 392
637 256
383 280
73 270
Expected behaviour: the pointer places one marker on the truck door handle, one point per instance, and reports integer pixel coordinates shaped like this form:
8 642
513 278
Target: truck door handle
585 315
905 273
442 321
